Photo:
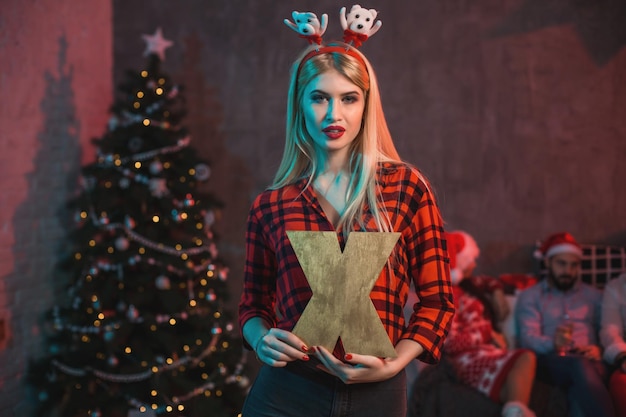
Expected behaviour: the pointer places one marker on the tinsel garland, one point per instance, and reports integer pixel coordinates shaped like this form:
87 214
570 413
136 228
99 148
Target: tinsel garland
154 245
180 144
141 376
234 377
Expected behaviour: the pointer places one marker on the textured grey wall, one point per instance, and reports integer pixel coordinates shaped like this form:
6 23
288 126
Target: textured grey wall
515 109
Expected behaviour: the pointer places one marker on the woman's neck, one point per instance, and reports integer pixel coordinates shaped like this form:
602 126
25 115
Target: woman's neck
335 163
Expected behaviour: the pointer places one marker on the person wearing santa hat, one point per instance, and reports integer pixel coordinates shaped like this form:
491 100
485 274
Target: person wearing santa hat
559 319
475 347
613 339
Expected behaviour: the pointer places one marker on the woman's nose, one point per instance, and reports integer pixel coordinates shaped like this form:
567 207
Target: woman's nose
332 111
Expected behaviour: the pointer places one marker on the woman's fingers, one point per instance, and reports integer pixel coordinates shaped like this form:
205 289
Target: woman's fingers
278 347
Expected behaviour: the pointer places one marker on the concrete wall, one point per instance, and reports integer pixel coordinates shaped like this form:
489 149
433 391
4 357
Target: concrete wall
55 90
515 109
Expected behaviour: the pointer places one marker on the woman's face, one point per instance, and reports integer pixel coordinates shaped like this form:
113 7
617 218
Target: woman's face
333 110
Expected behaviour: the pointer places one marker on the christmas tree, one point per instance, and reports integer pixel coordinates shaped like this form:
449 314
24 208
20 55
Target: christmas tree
143 329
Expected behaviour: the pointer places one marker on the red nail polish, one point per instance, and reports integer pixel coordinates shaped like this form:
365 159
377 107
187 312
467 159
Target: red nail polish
312 348
305 357
348 357
304 348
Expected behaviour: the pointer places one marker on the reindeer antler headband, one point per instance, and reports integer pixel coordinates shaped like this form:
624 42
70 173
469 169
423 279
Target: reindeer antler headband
358 25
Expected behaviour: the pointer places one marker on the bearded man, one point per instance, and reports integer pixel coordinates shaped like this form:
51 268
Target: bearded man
559 319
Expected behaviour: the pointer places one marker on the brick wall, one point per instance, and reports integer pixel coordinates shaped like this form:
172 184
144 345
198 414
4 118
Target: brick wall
55 84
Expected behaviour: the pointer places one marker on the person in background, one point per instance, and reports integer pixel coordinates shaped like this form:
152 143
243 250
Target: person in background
612 337
559 319
340 172
475 347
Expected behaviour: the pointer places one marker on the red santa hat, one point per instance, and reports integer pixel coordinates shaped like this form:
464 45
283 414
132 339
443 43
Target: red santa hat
559 243
463 251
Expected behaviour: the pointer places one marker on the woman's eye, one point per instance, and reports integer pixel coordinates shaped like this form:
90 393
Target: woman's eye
350 99
318 98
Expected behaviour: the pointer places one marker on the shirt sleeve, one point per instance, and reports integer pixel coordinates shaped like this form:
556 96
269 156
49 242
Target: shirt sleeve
259 280
432 315
528 318
612 329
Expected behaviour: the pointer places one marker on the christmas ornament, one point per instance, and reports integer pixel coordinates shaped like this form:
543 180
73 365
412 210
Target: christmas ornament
223 274
156 167
88 183
243 381
173 92
176 215
129 222
124 183
189 201
132 313
158 187
213 250
202 172
209 218
162 282
113 123
341 283
121 243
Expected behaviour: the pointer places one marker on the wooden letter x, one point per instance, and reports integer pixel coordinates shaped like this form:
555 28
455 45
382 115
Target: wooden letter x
341 285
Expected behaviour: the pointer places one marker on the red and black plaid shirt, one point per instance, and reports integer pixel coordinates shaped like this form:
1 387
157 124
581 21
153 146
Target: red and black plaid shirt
275 287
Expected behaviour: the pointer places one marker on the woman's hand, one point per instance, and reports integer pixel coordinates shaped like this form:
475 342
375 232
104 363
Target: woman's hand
498 339
278 347
359 368
366 368
274 347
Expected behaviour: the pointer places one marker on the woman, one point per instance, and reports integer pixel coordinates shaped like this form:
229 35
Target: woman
340 172
613 339
475 348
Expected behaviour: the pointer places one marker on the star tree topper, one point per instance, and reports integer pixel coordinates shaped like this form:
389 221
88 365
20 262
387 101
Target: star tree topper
156 44
341 283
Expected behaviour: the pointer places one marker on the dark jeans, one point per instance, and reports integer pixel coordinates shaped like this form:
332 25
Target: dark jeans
585 381
300 390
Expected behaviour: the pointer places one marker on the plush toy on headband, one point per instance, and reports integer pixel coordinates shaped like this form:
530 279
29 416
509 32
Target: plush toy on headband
308 25
359 24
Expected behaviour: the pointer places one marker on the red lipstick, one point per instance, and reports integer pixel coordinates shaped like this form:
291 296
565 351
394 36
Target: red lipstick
334 132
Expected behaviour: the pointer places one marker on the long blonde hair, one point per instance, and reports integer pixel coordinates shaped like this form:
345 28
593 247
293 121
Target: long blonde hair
372 145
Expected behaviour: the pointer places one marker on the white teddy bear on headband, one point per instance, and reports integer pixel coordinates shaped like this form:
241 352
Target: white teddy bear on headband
308 25
359 24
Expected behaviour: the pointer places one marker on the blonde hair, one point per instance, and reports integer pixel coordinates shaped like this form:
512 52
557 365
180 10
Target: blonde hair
372 145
